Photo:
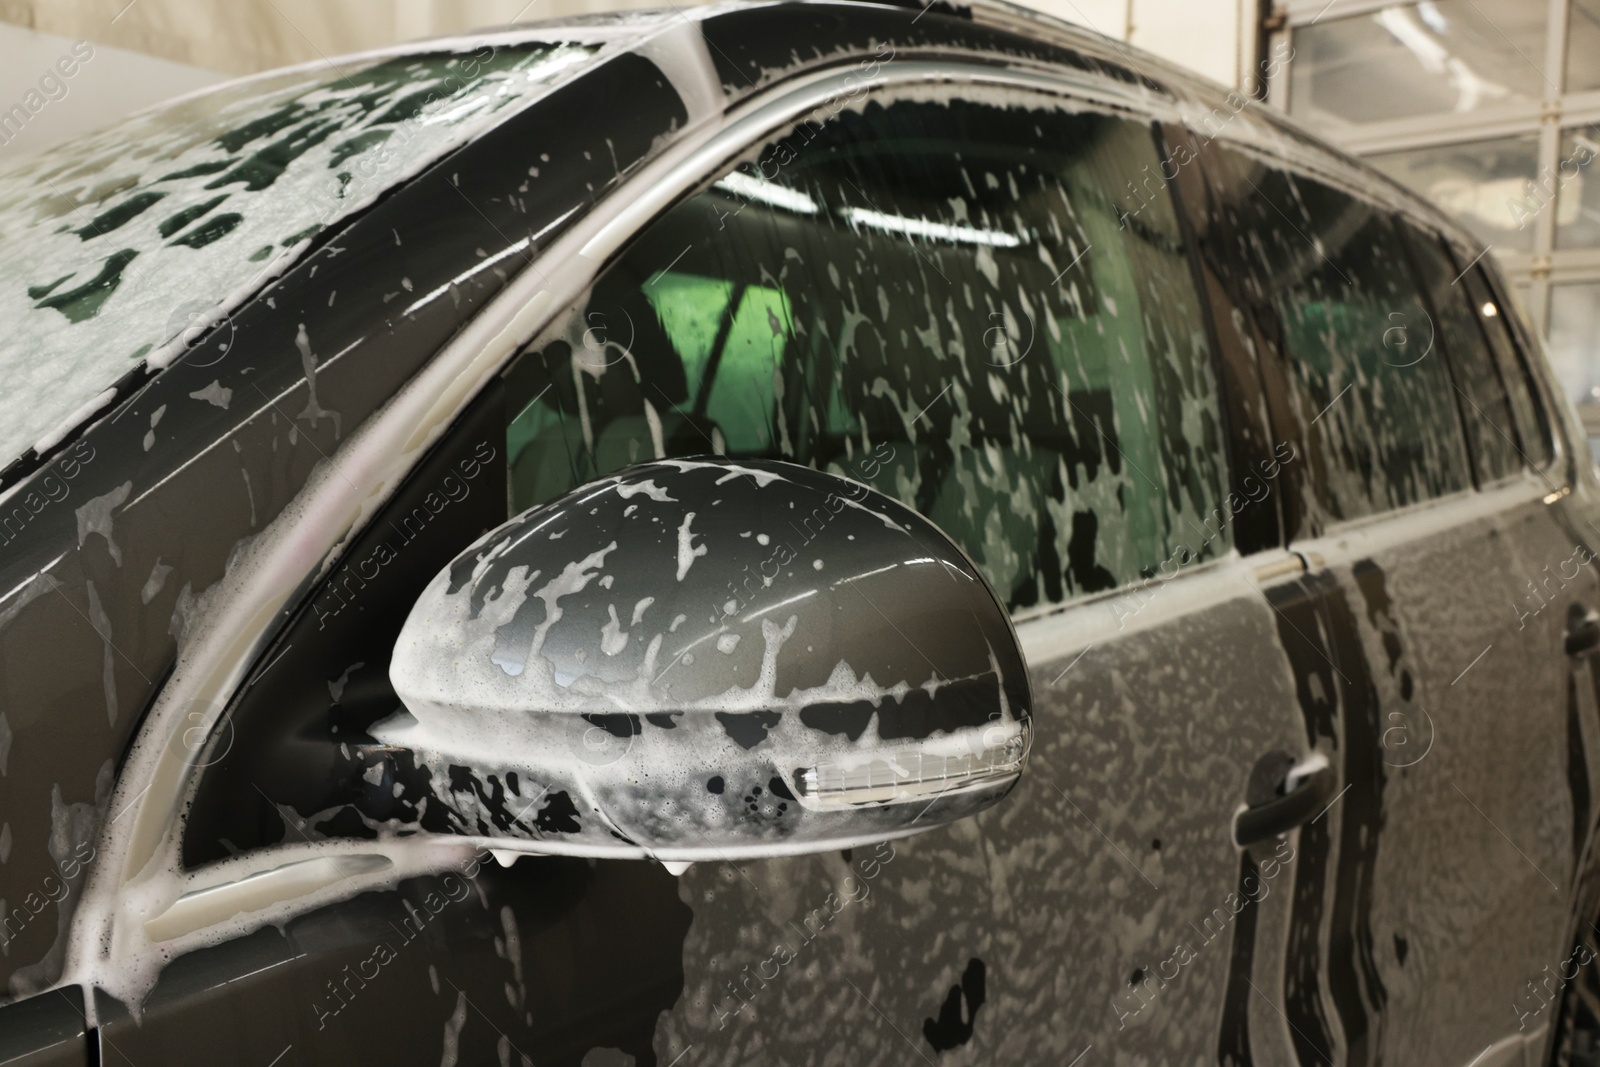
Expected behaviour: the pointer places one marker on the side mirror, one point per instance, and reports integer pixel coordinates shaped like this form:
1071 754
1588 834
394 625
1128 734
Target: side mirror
702 659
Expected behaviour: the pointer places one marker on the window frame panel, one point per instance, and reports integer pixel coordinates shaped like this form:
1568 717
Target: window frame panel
1412 233
1525 348
1254 406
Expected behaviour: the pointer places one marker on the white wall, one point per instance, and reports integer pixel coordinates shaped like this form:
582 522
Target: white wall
1214 37
105 83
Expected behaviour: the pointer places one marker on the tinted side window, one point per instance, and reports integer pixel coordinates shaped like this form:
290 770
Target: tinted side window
938 299
1485 407
1378 415
1533 429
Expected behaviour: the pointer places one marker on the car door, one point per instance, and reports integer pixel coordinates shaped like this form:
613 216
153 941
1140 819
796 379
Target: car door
936 296
1448 862
817 298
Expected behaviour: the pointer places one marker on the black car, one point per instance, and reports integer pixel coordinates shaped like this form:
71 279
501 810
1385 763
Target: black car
795 533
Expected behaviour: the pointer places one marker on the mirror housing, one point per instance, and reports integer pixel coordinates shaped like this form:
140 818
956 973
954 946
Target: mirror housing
705 659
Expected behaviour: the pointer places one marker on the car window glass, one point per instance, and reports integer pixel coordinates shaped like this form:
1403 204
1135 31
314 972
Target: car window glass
946 300
1533 431
1485 407
1381 431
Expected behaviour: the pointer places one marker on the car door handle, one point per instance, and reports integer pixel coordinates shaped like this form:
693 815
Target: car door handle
1583 630
1305 789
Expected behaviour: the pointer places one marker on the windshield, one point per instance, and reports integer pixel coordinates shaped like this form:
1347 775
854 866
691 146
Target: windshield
122 246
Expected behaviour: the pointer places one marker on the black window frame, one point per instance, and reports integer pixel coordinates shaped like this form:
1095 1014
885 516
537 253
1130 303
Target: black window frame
1528 355
1411 230
1252 419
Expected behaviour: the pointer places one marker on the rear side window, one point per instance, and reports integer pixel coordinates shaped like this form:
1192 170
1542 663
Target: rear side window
1533 428
938 298
1376 405
1485 407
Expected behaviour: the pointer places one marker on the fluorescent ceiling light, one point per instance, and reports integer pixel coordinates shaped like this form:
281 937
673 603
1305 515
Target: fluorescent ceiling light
938 231
748 187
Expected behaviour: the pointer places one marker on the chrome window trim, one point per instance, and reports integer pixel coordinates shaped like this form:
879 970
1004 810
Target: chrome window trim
1441 512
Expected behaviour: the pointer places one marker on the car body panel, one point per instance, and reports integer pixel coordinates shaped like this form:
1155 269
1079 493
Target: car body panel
1132 680
1148 721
